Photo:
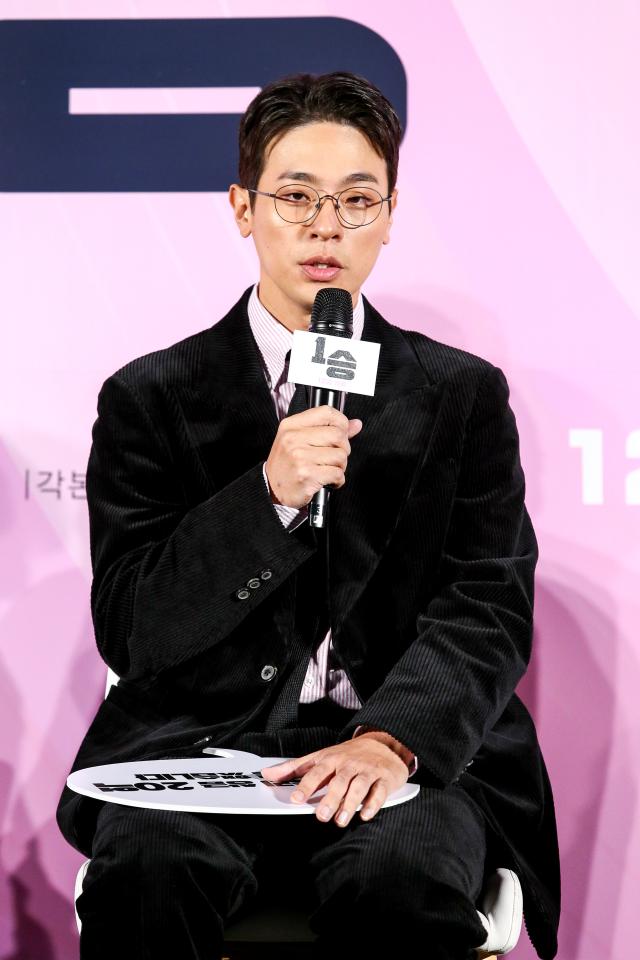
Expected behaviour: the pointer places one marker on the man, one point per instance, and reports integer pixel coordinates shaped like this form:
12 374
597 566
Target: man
385 646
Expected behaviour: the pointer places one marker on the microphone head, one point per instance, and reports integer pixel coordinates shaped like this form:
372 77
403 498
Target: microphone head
332 313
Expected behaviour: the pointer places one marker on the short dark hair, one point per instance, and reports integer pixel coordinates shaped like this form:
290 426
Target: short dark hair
302 98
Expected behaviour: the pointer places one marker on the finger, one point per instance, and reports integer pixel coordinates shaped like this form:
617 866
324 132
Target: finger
337 790
289 768
278 771
374 800
327 457
330 476
321 415
305 789
321 774
328 414
359 788
327 436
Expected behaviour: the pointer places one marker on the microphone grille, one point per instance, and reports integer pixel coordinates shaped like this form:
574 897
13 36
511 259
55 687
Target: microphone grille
332 312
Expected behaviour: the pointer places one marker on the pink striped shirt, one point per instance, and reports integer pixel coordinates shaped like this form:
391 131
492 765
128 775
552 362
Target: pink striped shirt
324 676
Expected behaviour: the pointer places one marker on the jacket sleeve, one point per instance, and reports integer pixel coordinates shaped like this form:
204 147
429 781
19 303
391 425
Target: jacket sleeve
473 639
169 581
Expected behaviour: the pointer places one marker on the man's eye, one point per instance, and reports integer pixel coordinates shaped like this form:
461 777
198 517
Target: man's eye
295 197
357 200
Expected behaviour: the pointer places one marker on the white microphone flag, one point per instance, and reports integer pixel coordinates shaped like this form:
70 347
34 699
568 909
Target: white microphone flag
335 363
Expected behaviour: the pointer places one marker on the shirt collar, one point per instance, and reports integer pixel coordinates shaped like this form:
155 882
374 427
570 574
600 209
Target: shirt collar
274 339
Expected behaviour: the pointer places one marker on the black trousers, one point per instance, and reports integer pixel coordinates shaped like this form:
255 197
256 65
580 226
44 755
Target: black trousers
163 884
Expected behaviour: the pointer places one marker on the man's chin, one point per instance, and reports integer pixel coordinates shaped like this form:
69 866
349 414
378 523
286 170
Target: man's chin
309 291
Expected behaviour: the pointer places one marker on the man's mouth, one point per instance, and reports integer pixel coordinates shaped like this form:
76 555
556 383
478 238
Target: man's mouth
321 268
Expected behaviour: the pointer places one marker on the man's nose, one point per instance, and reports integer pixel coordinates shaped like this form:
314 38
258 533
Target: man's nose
326 223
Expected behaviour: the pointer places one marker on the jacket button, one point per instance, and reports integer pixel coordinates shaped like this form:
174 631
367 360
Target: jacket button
242 593
253 583
266 575
268 672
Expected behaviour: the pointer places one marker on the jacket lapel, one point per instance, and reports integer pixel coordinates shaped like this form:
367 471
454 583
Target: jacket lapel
385 460
232 422
229 412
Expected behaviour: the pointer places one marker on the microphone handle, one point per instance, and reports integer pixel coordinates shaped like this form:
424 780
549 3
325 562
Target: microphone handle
319 505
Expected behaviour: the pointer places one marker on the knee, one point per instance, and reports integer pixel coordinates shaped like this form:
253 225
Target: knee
391 904
398 885
164 854
140 842
392 878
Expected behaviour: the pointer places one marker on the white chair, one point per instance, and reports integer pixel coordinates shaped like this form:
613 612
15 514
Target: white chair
501 917
273 923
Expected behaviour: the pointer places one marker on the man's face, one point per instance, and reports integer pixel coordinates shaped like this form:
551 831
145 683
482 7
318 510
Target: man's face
325 156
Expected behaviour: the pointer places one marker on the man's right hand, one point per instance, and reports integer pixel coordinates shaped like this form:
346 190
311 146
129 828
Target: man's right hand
310 451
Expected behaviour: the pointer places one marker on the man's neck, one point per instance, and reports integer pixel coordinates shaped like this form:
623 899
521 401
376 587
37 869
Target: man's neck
289 314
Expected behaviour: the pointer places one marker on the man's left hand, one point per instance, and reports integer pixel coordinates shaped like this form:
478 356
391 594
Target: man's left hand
364 771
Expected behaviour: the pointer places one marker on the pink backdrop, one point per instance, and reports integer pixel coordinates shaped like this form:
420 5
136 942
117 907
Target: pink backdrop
516 237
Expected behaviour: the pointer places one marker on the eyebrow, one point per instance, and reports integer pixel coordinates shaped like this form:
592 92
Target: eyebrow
301 176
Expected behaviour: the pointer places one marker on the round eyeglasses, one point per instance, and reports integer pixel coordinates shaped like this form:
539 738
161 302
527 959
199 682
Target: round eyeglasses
299 203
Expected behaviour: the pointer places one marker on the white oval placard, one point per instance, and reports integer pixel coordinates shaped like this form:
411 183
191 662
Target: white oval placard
227 782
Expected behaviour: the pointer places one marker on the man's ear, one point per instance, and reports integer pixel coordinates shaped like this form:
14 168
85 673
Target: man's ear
394 200
239 200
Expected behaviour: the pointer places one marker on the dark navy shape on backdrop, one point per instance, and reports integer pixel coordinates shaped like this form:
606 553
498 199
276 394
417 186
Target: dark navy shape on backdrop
44 148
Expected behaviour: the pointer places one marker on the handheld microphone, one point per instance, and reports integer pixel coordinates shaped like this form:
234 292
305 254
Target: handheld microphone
332 314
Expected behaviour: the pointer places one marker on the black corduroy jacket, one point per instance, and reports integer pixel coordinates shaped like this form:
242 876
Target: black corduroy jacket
430 559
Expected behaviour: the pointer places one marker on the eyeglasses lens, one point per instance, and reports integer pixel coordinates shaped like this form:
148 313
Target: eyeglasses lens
357 206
